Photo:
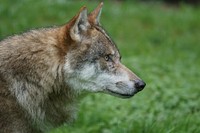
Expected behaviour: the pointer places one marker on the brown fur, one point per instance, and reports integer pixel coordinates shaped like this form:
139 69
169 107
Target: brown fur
33 62
36 66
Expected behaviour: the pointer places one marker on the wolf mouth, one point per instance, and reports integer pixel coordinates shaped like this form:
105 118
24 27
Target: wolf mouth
121 94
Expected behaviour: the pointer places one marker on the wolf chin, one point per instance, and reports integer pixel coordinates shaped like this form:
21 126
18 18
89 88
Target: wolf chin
43 71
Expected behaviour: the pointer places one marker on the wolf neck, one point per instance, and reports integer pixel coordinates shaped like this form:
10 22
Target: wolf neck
35 70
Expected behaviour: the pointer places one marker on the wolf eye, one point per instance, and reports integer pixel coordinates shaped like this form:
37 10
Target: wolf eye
107 57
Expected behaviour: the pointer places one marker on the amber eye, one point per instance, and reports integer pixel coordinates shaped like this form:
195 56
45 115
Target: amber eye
107 57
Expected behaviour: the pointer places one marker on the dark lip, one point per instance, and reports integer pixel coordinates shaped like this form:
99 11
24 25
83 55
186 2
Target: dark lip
121 95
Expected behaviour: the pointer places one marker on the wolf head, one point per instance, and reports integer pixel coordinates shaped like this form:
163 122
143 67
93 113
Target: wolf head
92 61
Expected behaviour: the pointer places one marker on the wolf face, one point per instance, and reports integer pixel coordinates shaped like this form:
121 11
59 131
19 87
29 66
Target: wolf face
93 63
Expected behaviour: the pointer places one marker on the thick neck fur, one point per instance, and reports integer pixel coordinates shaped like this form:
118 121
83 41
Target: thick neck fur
32 65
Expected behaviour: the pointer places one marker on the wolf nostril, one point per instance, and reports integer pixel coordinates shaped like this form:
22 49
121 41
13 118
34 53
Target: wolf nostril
139 85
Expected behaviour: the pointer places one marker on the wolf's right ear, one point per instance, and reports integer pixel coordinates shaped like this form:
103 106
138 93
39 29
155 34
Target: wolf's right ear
80 25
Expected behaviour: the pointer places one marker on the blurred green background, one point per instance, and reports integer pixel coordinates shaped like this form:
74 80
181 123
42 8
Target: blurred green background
158 41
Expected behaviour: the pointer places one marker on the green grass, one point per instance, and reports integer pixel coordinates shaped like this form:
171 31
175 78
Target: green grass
159 43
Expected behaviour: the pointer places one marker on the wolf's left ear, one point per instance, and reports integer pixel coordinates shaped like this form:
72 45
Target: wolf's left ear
80 25
94 16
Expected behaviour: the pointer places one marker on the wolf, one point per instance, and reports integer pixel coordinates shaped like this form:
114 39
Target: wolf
43 71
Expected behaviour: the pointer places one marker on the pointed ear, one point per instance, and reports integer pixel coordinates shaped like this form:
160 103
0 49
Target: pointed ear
94 16
80 25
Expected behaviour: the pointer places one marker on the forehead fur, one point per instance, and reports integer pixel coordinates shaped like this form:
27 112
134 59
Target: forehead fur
103 39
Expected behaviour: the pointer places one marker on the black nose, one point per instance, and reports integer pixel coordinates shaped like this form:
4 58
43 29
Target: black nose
139 85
